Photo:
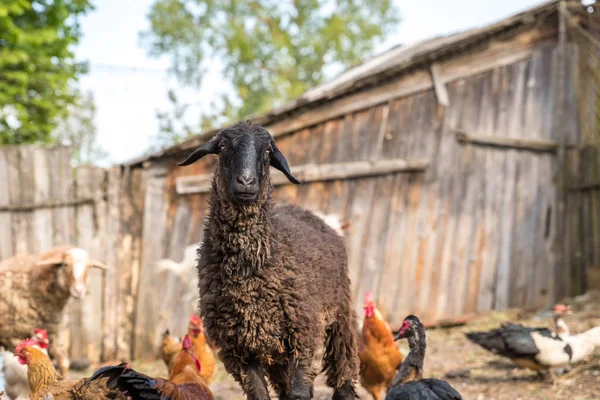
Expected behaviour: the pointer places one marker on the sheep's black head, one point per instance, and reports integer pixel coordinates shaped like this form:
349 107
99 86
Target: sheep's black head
245 152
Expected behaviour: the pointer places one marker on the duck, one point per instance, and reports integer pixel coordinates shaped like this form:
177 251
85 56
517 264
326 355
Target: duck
408 384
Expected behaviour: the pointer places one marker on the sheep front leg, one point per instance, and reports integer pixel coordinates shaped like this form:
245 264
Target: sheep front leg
56 351
301 381
253 381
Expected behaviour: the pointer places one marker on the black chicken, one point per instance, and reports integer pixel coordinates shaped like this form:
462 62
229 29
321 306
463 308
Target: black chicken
409 383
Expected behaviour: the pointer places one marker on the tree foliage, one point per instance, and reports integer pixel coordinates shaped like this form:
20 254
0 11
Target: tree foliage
272 51
77 130
37 66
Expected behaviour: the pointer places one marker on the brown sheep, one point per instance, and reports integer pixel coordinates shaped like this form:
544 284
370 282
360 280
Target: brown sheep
34 290
273 281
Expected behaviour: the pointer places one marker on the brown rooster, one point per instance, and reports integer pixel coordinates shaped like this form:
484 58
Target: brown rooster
202 349
45 382
185 382
170 348
379 355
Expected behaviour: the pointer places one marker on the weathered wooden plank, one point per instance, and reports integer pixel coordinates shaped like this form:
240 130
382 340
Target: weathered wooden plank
574 245
560 124
6 245
463 200
436 218
527 211
344 147
408 268
533 215
450 192
426 139
42 230
544 263
484 120
596 212
466 278
438 84
416 198
316 173
493 166
376 148
518 143
27 178
180 231
507 221
131 204
362 193
390 287
153 234
390 284
99 293
18 222
110 307
373 255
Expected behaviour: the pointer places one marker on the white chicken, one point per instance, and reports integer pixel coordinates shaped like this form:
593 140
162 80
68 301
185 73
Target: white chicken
15 373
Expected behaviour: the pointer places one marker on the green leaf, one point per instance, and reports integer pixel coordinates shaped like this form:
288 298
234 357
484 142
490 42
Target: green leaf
37 68
272 51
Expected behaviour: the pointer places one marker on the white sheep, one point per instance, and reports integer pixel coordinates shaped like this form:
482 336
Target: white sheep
34 291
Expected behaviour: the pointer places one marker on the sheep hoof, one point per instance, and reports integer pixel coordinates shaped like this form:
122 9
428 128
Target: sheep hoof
301 393
345 392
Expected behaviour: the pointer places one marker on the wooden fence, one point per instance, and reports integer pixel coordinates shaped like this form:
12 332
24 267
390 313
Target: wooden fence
45 203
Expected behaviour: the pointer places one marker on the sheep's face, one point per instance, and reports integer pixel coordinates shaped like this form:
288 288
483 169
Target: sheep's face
243 161
245 153
73 267
76 270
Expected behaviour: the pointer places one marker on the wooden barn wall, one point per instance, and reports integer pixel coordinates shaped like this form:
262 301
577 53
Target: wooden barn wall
476 231
45 203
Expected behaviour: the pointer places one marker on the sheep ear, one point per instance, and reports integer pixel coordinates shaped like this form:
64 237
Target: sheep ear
98 264
278 161
56 260
211 147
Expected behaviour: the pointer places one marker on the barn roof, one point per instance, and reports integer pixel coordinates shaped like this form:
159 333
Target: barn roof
389 64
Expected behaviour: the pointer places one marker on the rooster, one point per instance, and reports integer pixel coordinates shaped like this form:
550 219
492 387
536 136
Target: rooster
15 373
409 384
170 348
185 381
46 383
202 349
379 355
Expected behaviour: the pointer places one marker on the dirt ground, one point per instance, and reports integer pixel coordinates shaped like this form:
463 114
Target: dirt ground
481 375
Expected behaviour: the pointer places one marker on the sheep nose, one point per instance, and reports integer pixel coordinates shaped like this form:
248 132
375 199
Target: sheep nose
246 179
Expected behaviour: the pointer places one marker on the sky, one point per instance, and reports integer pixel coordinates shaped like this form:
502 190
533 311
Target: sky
129 86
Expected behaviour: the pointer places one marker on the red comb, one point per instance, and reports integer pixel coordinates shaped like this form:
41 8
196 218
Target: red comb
187 342
194 319
43 332
368 297
25 343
